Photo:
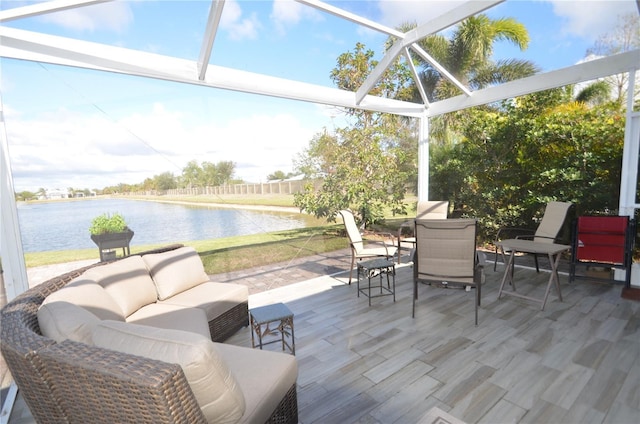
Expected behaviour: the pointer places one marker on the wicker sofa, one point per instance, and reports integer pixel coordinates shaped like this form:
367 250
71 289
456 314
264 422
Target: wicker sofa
110 381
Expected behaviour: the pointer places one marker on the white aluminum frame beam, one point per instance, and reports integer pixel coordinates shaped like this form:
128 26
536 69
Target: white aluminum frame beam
441 69
32 46
215 13
44 8
587 71
410 38
13 264
343 14
630 155
416 77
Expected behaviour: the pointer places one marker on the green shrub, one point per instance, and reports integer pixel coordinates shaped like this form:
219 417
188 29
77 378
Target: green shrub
108 223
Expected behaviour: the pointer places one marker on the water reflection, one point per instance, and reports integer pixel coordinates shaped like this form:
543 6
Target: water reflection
65 225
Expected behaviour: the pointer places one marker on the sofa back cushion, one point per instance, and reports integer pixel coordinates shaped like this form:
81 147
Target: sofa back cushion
63 320
175 271
211 381
127 281
89 295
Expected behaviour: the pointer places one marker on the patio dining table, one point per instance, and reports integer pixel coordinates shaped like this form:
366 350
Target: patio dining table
552 250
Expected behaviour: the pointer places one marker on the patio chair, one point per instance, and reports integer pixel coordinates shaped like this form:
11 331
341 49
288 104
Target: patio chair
603 241
357 243
446 254
548 231
429 209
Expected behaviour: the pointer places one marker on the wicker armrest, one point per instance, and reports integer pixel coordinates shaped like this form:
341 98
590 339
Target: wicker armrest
100 385
228 323
75 382
161 249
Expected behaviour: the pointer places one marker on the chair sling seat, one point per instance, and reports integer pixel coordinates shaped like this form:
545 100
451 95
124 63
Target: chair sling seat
548 231
445 252
357 243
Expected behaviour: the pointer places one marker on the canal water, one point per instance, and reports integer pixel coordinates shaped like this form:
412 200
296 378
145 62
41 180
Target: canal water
64 225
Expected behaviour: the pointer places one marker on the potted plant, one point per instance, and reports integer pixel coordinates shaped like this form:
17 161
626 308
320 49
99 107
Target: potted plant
108 232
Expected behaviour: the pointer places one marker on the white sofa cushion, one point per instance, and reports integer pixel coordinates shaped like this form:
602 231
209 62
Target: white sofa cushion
213 298
172 317
175 271
264 378
127 281
63 320
89 295
211 381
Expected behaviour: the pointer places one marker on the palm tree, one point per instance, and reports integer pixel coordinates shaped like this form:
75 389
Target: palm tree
467 55
596 93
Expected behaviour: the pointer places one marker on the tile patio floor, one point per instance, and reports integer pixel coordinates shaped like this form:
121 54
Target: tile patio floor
578 361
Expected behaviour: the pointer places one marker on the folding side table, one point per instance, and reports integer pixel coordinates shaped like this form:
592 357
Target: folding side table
266 316
554 251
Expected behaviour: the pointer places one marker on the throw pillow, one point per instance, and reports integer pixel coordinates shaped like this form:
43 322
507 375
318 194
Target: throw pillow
211 381
63 320
175 271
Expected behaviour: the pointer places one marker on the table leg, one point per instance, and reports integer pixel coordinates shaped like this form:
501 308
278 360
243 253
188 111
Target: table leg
394 283
369 279
553 279
286 324
253 330
358 280
293 339
507 273
257 329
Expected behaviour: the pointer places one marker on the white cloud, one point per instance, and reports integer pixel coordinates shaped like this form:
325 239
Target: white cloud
237 26
591 18
582 18
113 16
259 144
288 13
66 149
396 12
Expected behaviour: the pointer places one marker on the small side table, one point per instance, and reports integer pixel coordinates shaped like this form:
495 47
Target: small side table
554 251
377 268
265 315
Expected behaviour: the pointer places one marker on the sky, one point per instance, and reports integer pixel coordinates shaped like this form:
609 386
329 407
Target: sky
69 127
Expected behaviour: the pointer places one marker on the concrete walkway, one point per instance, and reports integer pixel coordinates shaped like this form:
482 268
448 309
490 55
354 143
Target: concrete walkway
258 279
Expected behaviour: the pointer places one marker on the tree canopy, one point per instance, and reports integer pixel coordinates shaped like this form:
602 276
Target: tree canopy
369 166
506 161
365 166
539 148
467 55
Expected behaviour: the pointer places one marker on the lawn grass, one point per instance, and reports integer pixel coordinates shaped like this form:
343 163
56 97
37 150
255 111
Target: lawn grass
229 253
240 252
231 258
